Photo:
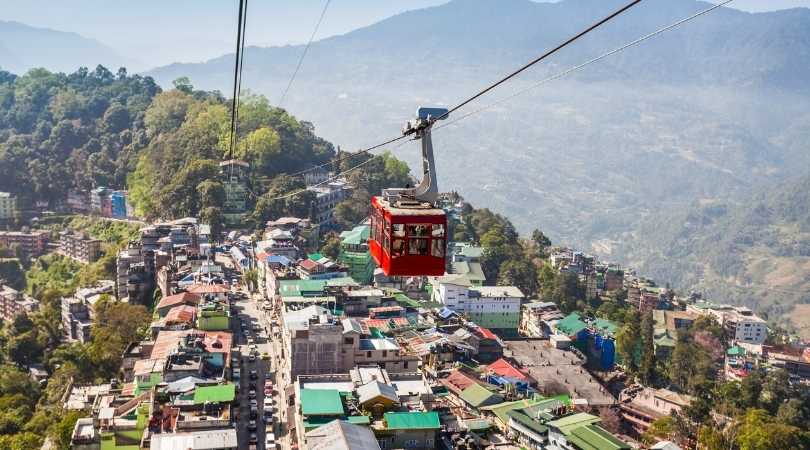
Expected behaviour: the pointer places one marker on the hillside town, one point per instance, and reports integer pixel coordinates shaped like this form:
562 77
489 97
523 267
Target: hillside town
263 341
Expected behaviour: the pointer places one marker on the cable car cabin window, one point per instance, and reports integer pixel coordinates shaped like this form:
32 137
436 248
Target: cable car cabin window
399 230
437 248
418 247
438 230
419 230
397 247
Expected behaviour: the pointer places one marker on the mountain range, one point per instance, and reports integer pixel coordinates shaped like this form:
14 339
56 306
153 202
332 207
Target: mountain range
23 47
712 112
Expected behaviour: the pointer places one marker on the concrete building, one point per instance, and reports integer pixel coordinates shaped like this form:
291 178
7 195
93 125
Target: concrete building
494 307
234 175
536 317
8 206
14 302
354 254
78 311
79 247
641 406
327 197
33 243
740 323
317 343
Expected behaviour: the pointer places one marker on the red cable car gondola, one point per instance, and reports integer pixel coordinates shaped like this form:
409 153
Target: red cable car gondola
408 232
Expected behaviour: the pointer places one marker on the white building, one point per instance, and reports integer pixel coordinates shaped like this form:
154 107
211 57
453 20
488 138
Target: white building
738 321
488 306
8 206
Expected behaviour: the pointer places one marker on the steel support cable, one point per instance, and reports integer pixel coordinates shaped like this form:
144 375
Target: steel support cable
335 177
544 81
508 77
304 54
236 75
585 64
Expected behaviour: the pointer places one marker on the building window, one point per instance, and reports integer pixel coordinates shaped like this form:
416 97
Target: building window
410 443
368 354
348 341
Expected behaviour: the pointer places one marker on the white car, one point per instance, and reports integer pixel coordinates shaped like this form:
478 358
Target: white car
269 439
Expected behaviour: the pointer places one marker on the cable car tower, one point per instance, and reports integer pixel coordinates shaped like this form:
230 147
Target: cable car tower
408 232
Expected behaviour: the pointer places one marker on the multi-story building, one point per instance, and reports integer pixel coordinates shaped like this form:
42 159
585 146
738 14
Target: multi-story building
536 316
32 243
327 198
118 204
77 311
8 206
234 175
100 202
315 342
740 323
494 307
354 254
641 406
14 302
79 247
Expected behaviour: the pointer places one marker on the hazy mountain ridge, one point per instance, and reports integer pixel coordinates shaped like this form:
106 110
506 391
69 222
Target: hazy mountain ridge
715 109
23 47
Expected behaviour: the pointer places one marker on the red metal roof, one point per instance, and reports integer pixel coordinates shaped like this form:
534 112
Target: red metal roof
309 265
504 368
457 381
484 332
183 298
182 313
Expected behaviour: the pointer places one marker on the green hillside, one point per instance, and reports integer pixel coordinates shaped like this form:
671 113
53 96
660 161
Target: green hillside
755 253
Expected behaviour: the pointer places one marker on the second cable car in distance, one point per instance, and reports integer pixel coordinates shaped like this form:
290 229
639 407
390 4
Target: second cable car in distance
408 235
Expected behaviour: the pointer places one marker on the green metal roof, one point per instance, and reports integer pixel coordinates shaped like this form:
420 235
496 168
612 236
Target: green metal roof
321 402
571 324
412 420
221 393
522 418
500 410
736 351
569 423
594 437
355 236
297 288
315 256
477 395
359 420
606 325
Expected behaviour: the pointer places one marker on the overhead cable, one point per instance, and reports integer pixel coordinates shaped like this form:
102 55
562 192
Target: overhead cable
545 55
304 54
585 64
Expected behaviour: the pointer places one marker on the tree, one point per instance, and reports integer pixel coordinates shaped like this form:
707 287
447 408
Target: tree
794 412
757 431
331 246
567 292
116 119
660 429
628 342
546 277
183 84
521 273
213 217
647 364
541 242
251 279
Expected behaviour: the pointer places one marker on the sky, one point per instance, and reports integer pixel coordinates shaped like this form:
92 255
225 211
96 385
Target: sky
159 32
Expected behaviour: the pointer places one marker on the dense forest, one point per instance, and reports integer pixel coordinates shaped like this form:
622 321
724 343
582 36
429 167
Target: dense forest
62 132
70 131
